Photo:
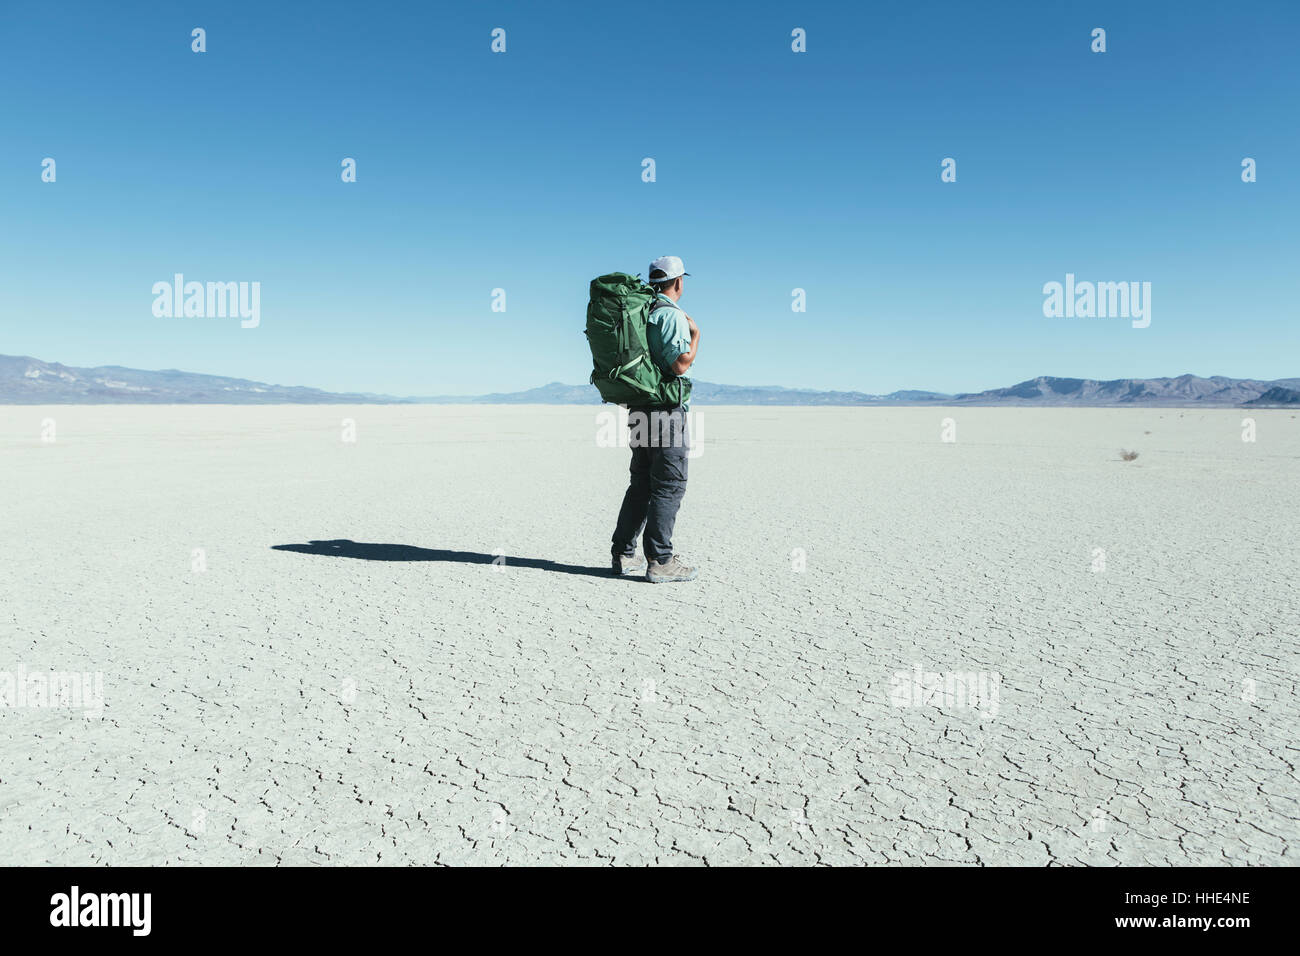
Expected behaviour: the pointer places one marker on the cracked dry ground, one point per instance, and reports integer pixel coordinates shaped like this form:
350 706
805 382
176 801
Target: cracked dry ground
311 707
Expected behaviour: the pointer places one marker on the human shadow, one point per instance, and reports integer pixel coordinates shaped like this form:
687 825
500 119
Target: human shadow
343 548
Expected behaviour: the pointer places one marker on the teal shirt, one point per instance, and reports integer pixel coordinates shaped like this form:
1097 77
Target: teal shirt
667 334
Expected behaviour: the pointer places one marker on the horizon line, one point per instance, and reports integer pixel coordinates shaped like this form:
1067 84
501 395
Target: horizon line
791 388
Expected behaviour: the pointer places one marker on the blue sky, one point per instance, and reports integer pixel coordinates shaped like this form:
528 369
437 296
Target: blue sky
775 170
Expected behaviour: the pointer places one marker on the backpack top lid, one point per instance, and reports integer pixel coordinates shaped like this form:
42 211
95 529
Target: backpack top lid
618 283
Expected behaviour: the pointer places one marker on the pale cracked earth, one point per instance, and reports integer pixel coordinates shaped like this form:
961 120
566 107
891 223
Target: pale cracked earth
317 706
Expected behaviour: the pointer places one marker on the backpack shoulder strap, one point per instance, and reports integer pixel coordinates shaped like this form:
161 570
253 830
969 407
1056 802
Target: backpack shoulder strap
665 303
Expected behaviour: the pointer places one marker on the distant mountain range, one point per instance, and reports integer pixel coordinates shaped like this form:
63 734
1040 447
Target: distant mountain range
557 393
29 381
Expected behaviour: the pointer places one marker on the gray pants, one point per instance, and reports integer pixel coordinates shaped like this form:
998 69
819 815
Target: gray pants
659 441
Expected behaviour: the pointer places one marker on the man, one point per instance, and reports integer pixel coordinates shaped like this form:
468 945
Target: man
659 440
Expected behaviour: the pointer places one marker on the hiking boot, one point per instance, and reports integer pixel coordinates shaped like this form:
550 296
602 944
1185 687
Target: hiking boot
624 564
670 570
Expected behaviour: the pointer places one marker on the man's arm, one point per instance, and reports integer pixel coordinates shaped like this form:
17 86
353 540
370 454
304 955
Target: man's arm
685 360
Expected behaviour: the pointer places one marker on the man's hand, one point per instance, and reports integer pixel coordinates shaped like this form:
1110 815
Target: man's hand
695 329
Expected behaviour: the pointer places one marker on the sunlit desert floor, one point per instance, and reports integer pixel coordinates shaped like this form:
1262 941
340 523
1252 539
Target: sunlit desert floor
385 692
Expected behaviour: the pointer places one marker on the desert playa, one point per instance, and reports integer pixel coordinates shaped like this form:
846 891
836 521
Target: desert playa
386 634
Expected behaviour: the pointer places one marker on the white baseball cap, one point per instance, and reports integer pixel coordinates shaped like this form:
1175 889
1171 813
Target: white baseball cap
670 266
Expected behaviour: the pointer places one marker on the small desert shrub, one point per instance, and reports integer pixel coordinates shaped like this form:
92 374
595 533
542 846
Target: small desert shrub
1127 455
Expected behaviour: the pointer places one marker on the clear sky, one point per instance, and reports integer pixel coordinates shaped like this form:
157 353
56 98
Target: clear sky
775 170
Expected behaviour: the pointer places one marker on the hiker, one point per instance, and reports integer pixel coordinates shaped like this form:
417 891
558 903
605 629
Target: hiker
659 439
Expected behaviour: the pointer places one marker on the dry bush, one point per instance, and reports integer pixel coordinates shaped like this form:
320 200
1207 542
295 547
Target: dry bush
1127 455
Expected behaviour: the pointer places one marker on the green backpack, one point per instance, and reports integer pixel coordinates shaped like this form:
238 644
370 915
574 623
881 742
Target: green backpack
624 372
